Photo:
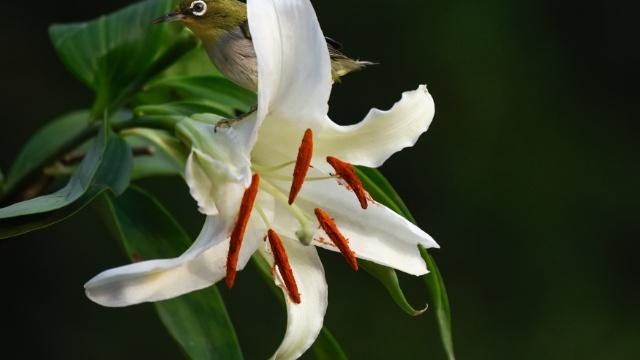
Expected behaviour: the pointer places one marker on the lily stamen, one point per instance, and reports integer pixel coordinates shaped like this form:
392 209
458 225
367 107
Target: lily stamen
284 267
302 165
290 178
347 173
305 234
331 229
237 235
263 216
273 168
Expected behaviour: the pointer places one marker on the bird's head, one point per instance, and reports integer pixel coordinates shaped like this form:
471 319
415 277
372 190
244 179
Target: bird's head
207 18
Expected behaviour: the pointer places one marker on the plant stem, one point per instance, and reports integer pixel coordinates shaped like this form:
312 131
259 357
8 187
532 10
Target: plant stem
104 104
24 183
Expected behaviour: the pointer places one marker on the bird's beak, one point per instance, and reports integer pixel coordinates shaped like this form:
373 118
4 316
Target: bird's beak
170 17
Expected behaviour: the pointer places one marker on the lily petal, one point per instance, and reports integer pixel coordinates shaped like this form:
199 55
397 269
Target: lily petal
218 168
155 280
304 320
382 133
368 143
209 182
377 234
294 69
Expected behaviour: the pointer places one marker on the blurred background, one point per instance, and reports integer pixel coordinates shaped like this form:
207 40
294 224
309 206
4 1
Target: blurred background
528 178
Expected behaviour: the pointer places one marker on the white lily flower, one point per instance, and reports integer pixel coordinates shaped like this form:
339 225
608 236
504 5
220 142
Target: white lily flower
242 180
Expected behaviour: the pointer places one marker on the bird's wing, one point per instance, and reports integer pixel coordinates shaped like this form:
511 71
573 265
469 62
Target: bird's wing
245 30
340 63
333 44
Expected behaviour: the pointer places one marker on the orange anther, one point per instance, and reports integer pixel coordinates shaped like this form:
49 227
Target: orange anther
237 235
302 165
347 173
330 227
282 261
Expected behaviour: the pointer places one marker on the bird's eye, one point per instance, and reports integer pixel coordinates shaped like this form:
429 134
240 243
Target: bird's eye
198 8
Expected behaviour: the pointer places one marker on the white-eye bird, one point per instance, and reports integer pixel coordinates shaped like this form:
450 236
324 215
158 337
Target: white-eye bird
222 27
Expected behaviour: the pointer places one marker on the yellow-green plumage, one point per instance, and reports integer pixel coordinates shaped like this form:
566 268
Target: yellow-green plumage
222 27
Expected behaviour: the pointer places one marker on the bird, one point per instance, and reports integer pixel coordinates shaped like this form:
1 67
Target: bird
223 29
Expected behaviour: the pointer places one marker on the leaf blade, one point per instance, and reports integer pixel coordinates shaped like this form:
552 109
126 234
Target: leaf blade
381 190
106 167
384 187
327 347
116 54
167 156
389 279
436 287
52 138
213 88
82 45
91 171
184 108
387 276
198 321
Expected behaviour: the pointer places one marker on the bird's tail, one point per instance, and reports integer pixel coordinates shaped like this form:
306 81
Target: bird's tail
345 65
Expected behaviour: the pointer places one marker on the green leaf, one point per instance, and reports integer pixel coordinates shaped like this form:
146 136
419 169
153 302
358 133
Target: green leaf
61 136
25 224
212 88
381 190
388 277
55 139
435 284
81 46
2 182
116 54
265 271
198 321
326 347
379 187
195 62
51 139
106 166
168 157
81 180
185 108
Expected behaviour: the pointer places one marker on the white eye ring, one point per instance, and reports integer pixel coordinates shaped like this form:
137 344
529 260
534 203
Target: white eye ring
200 12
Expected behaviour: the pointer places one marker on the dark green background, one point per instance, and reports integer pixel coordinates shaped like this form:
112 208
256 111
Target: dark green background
528 179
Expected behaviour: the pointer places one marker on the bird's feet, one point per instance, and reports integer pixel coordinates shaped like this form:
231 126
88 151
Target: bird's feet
227 123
